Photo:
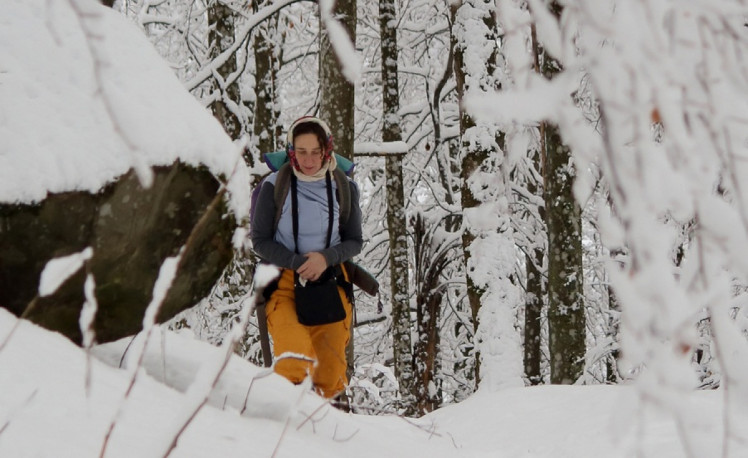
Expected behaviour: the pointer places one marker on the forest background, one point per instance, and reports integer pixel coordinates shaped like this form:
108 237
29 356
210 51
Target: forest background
552 191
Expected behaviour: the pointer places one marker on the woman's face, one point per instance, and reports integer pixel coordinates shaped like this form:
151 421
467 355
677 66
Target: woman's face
308 153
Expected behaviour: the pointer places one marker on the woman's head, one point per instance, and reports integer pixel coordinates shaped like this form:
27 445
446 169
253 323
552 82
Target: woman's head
309 144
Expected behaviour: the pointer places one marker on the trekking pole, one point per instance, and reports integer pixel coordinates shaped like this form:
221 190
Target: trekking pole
262 324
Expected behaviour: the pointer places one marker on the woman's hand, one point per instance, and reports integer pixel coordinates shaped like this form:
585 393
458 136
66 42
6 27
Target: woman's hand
313 267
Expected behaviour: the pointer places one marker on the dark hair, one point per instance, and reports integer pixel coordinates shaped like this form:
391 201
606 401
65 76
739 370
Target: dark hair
311 127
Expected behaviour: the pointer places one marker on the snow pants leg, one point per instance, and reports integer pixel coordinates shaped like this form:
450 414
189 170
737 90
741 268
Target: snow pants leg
302 350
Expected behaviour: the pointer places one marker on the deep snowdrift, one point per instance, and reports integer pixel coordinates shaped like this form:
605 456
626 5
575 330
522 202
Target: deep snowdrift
50 408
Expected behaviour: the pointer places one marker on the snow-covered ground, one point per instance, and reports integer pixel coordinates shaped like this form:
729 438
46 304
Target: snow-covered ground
56 401
83 99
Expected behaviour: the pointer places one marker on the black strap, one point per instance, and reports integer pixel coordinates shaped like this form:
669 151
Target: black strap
295 211
330 215
283 186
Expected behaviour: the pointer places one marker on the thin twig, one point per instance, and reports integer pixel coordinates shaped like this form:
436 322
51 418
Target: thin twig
302 391
25 403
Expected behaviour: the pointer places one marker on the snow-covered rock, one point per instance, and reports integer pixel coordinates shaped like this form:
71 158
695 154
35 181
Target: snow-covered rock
102 147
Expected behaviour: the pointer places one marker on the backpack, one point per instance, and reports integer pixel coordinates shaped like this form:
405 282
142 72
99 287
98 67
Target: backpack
278 162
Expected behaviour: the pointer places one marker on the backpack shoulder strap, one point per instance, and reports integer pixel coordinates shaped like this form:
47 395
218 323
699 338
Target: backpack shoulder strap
344 195
282 185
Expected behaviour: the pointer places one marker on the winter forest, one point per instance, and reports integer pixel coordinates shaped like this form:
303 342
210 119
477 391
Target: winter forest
553 191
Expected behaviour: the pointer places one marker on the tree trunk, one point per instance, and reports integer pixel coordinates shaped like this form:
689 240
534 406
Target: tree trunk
266 128
566 320
468 167
536 284
337 93
613 375
221 37
396 222
476 153
337 103
533 314
431 258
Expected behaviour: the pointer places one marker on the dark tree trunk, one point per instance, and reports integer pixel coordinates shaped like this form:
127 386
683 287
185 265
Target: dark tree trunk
533 317
566 319
536 282
337 101
221 38
267 63
337 93
431 257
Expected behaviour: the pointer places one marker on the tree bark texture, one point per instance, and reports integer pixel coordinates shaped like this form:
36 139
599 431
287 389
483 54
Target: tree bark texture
533 317
266 128
396 221
474 154
566 319
337 102
337 93
221 38
431 258
536 281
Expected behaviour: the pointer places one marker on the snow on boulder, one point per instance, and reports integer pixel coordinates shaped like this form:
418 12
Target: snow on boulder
101 147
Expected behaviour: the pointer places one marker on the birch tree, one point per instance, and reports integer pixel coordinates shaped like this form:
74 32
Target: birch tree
396 221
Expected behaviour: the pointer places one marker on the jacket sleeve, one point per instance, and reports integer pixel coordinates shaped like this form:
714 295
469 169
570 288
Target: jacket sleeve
351 238
262 232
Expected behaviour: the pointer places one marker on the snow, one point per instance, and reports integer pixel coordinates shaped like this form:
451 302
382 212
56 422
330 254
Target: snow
341 42
85 98
522 105
88 312
57 270
46 411
382 148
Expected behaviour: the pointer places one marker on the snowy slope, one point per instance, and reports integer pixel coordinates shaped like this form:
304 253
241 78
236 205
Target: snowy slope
46 410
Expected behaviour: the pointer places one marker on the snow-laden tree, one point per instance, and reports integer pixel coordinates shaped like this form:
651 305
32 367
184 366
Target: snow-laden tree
671 85
648 100
566 313
488 242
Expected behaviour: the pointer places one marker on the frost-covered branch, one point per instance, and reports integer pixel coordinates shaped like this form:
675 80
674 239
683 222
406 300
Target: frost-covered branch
209 70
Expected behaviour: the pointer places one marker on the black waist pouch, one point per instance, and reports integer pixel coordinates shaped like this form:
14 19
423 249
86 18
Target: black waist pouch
318 302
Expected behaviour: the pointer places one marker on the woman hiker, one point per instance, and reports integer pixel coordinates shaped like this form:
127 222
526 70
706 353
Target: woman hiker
309 312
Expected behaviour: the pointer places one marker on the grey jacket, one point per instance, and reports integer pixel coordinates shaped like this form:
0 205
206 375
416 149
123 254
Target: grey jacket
278 248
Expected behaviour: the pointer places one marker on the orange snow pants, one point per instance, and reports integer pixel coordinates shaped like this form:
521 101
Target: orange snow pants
302 350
